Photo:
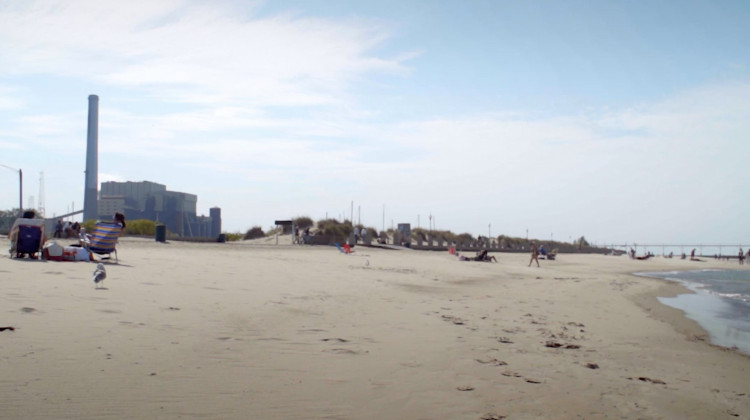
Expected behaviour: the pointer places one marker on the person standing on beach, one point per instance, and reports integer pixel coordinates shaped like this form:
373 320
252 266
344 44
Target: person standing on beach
58 229
741 256
534 254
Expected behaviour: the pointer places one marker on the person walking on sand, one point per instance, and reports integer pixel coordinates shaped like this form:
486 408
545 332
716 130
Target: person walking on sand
534 254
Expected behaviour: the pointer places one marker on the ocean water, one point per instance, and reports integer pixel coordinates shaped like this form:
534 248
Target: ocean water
720 303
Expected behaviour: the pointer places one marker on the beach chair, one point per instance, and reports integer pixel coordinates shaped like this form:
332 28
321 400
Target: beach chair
26 237
103 239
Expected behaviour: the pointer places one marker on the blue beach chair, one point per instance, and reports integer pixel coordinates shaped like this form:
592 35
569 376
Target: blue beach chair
26 237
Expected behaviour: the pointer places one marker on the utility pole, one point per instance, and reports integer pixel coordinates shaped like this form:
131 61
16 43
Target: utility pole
41 194
20 188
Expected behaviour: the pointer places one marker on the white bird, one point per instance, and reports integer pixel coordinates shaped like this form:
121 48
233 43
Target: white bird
99 274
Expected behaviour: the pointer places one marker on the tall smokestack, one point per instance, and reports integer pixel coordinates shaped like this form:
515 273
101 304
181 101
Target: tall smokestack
90 196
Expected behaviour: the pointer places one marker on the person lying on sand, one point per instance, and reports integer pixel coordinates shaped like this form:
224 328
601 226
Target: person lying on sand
480 256
483 256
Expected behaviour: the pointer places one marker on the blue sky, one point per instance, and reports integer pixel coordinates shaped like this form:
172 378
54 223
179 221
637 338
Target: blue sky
620 121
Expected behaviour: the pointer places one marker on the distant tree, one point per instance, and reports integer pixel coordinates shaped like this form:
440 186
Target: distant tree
333 228
303 222
464 238
140 227
7 217
254 233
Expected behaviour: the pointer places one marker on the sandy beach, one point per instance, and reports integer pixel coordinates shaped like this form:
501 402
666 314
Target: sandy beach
253 331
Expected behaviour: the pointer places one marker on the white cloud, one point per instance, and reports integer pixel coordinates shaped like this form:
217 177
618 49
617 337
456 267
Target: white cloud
10 98
181 51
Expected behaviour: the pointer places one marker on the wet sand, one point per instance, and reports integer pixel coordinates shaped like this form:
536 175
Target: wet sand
242 330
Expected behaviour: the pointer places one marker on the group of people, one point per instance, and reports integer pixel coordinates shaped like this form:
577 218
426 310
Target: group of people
70 230
483 255
300 237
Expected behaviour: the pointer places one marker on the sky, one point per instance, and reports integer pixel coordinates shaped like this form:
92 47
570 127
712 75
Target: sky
624 122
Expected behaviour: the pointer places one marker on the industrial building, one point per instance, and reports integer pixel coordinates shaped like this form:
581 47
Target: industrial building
152 201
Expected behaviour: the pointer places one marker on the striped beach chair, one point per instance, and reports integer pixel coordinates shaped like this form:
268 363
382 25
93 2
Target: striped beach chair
103 239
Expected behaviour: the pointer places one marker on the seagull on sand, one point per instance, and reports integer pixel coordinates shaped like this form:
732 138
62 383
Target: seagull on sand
99 274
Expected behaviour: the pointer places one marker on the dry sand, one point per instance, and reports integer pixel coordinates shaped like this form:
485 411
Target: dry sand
247 331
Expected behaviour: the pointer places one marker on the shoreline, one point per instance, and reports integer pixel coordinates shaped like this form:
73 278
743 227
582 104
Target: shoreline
649 302
681 319
240 331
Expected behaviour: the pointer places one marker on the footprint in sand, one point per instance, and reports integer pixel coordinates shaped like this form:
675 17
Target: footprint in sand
556 345
592 365
110 311
491 361
649 380
454 319
346 351
514 330
512 374
492 416
27 310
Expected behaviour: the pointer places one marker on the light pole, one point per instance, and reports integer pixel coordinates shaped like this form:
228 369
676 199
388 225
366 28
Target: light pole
20 188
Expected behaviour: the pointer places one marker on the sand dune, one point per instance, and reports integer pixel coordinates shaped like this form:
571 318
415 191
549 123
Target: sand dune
240 331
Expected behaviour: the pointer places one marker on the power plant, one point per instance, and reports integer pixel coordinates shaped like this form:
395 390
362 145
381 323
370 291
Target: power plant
136 200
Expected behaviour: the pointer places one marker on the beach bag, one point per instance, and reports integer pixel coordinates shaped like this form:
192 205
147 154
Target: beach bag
76 253
52 251
69 253
83 254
